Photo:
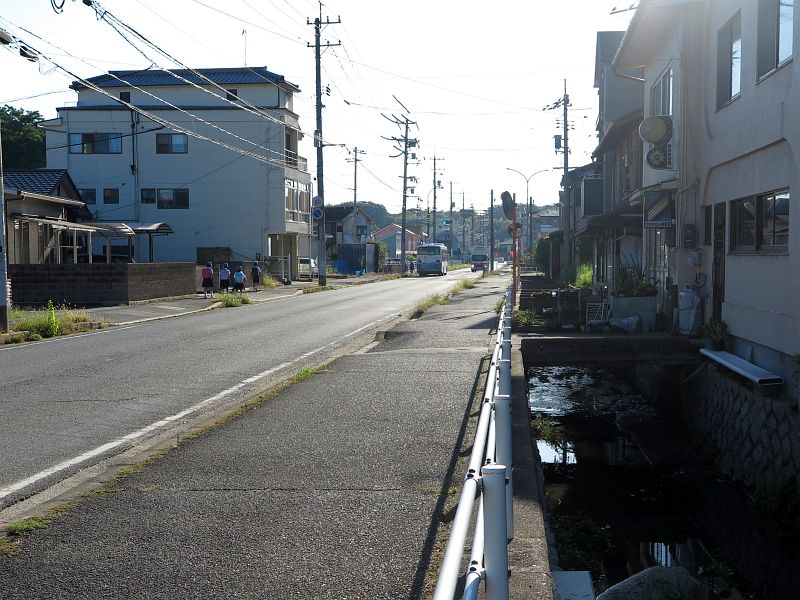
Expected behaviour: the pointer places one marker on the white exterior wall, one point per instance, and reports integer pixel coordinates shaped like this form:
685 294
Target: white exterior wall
234 201
668 54
748 149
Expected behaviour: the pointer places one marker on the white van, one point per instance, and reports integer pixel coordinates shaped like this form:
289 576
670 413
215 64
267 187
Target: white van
307 268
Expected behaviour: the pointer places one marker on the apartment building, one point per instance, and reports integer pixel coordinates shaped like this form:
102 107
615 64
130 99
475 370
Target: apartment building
213 153
719 126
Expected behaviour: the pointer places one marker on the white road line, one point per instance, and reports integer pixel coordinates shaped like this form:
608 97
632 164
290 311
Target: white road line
15 487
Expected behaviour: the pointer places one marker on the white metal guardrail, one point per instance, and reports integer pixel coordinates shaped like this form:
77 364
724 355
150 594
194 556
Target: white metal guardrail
488 479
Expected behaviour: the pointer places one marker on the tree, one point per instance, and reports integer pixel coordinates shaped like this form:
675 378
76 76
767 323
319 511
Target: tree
23 141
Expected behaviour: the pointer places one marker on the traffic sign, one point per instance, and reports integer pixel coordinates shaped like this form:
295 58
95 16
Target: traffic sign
316 212
316 202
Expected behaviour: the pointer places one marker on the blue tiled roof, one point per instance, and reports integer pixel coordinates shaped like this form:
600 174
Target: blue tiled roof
224 76
38 181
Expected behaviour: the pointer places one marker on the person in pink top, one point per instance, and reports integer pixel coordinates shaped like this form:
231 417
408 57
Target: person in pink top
208 280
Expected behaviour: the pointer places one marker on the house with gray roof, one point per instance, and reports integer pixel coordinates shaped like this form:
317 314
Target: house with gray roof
42 210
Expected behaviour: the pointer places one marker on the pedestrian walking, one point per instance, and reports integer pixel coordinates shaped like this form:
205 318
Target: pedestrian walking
224 278
239 279
255 275
208 280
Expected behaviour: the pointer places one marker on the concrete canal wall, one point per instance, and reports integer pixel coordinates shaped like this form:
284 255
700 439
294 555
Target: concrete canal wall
756 437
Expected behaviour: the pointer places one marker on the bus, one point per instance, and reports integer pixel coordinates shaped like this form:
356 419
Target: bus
432 259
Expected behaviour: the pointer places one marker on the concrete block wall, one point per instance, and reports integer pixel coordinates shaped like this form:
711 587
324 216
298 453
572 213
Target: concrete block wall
757 437
96 284
160 280
74 284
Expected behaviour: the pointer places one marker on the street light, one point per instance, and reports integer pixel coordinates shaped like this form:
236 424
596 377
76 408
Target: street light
529 203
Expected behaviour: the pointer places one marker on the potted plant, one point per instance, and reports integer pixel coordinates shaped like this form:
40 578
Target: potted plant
714 333
634 294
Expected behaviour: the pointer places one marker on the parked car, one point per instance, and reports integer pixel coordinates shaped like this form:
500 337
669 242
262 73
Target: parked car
308 268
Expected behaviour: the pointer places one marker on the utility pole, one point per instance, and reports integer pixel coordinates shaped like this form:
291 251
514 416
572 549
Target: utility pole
436 185
355 160
3 261
407 143
463 227
491 231
452 228
472 234
318 143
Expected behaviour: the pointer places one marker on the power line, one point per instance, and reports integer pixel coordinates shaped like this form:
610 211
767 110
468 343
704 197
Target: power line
149 115
240 103
156 97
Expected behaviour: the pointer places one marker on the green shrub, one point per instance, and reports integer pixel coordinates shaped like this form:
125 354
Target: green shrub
523 318
583 278
269 282
230 300
52 324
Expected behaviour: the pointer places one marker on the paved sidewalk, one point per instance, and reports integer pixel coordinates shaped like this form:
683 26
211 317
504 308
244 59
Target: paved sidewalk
335 488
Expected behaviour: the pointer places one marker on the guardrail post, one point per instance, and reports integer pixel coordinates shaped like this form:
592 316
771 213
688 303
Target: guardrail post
503 454
495 555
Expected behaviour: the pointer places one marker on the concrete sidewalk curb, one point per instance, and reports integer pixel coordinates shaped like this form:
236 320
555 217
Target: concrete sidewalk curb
214 306
162 317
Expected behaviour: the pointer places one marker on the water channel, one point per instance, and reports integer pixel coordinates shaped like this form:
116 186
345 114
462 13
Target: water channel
626 490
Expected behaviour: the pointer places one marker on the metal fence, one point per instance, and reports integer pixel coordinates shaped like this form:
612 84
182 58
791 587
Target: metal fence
488 480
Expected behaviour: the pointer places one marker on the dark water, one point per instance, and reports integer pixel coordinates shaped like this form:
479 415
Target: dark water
626 491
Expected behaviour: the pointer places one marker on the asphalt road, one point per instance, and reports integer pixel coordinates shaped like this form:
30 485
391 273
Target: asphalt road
68 402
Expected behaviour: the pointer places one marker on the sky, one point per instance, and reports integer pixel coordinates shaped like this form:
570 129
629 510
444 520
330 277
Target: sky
475 77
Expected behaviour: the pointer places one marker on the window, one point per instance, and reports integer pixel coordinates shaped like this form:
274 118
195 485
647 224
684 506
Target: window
172 143
111 196
743 224
125 96
89 195
95 143
173 198
232 94
775 36
729 61
761 223
774 220
148 196
661 95
298 204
